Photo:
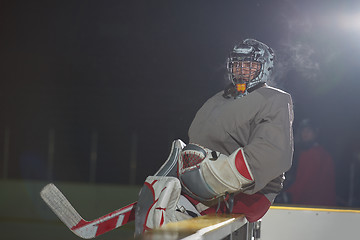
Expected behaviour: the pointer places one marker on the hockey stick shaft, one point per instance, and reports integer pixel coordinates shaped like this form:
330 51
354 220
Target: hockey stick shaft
72 219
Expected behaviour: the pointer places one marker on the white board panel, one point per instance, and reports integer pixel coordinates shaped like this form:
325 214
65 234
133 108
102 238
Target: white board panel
297 223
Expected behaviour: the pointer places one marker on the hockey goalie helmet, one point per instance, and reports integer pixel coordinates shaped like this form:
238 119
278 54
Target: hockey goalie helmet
249 63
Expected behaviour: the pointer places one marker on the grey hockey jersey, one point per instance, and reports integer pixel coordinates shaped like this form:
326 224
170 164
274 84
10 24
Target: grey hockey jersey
260 123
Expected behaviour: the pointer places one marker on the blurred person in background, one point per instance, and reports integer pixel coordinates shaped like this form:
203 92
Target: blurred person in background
311 181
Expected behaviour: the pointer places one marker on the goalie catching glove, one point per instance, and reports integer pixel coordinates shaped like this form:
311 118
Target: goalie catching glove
206 174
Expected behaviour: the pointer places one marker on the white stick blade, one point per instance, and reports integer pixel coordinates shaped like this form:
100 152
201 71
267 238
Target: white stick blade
60 205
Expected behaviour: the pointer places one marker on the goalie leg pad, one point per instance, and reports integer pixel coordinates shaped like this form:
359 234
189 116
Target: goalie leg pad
158 203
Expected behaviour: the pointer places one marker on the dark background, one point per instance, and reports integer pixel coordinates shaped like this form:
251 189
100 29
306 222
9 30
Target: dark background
135 72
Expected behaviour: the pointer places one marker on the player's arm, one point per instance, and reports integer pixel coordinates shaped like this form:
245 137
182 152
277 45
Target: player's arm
270 149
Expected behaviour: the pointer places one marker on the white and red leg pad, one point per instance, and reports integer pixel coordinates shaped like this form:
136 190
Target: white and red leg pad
157 204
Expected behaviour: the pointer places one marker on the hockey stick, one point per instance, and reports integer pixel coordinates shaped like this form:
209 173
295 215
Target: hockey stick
72 219
90 229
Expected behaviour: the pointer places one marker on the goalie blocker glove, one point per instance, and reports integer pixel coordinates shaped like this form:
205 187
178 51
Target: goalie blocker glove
206 174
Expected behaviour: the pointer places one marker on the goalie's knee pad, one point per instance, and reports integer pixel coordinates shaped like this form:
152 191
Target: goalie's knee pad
206 174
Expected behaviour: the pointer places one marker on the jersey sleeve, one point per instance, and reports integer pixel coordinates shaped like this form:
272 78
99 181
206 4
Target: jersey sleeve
270 148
